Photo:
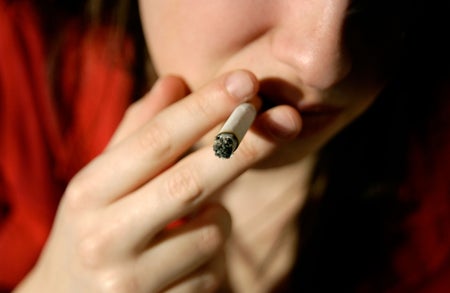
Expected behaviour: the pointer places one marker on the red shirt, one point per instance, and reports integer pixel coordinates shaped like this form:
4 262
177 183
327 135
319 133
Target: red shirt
44 137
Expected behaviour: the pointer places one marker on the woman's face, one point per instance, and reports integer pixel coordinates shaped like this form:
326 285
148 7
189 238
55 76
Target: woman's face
304 52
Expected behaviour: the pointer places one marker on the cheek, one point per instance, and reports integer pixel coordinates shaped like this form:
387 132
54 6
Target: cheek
195 40
164 34
179 38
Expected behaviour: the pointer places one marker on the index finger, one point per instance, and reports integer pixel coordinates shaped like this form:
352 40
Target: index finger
160 142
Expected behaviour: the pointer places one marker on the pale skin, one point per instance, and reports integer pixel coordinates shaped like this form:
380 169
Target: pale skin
109 234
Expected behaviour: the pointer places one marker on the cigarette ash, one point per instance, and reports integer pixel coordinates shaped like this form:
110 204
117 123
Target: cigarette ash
224 145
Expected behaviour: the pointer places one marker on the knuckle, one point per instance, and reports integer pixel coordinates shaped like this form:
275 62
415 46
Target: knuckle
91 250
78 193
116 281
156 138
98 242
105 274
183 185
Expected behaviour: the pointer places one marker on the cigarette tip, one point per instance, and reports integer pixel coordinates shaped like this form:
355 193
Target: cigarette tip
224 145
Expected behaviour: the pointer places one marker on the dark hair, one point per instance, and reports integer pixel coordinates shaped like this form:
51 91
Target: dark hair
350 226
120 16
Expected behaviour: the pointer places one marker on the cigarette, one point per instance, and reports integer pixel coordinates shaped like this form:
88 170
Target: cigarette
233 131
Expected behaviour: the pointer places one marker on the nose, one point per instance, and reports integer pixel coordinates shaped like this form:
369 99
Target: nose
309 39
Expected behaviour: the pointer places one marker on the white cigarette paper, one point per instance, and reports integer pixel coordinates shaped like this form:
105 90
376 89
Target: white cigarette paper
233 131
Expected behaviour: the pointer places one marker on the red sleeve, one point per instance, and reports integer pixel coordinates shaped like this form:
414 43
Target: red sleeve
44 140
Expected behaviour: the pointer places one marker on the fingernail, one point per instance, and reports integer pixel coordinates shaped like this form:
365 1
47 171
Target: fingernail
240 85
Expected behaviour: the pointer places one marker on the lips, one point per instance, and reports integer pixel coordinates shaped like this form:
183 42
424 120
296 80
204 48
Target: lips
316 116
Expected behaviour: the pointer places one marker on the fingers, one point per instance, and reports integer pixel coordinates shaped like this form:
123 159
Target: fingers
184 250
197 176
115 209
166 91
158 143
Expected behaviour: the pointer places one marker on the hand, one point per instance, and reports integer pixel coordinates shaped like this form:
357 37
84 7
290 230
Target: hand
110 231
